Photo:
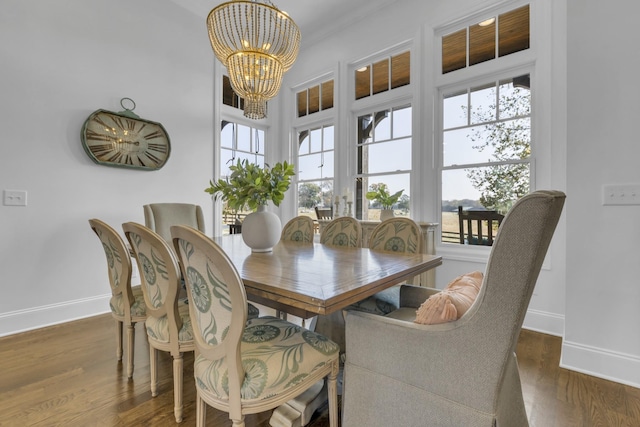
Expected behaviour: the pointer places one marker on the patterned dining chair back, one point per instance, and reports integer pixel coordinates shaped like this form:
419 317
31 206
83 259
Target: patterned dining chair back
245 366
392 235
168 323
299 229
396 235
342 231
126 303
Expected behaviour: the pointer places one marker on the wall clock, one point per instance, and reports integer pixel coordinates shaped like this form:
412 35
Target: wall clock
125 140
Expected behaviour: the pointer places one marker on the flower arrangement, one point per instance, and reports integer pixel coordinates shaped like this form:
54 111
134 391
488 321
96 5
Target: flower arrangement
252 185
380 193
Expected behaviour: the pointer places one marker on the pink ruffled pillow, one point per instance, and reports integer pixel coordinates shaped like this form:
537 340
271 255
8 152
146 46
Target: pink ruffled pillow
452 302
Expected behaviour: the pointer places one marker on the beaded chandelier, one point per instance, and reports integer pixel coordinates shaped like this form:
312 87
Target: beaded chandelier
257 43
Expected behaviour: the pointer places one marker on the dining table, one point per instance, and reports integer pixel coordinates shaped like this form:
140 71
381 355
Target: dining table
310 279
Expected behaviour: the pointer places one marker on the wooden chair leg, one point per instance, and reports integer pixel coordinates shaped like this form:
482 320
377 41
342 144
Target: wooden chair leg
119 325
131 338
153 370
332 392
177 387
201 411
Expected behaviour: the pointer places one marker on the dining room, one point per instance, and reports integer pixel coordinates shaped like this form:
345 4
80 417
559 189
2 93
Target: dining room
63 62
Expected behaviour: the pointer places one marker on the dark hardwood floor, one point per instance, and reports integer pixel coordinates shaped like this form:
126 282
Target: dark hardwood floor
67 375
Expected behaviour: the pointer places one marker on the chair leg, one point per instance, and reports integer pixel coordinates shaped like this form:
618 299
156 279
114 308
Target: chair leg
332 384
238 423
131 338
119 339
201 411
153 370
177 387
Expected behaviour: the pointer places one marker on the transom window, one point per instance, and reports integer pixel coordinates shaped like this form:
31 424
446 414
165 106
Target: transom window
314 99
383 75
383 157
489 39
229 96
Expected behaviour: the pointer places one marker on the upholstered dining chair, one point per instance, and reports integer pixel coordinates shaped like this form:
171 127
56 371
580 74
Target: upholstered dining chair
346 232
463 372
245 367
126 303
342 231
298 229
397 234
168 322
159 217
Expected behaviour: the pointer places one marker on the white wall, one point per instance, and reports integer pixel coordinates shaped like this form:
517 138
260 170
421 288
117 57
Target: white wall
603 254
60 61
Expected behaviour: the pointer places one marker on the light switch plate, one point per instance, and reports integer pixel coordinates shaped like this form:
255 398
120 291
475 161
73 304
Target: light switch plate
623 194
15 198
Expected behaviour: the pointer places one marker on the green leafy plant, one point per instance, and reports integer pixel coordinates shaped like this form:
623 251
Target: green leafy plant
380 193
252 186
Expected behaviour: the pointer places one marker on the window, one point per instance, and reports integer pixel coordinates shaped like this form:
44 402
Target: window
315 168
238 141
383 157
314 99
383 75
486 155
486 40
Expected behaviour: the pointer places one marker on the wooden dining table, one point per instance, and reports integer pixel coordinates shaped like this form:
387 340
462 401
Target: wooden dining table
310 279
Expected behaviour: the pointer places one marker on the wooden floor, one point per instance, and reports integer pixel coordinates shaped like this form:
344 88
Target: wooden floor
67 375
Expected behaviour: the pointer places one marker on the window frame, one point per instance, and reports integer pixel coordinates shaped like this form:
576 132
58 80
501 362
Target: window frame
515 64
392 104
311 126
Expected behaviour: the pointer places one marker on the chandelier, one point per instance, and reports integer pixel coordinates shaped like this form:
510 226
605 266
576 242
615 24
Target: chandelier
257 43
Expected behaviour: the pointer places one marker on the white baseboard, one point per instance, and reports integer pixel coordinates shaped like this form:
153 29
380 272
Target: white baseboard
542 321
609 365
17 321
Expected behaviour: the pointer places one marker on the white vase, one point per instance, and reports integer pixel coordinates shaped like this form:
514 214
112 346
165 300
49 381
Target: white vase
261 230
386 214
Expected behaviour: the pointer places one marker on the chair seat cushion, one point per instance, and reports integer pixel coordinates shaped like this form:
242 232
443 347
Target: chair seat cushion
276 355
158 327
407 314
138 307
381 303
453 302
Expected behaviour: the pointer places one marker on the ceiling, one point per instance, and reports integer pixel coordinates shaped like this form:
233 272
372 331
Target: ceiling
311 16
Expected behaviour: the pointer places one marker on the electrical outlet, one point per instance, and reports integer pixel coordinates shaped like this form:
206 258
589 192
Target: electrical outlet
15 198
625 194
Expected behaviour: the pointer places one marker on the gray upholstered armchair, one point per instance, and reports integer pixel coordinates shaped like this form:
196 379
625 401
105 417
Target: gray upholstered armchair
461 373
159 217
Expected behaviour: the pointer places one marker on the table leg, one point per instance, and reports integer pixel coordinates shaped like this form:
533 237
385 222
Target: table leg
297 412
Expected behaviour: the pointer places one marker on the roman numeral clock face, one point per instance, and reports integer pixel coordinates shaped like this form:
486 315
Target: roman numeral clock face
125 140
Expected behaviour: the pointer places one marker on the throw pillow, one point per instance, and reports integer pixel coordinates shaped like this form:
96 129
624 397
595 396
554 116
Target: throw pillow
452 302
